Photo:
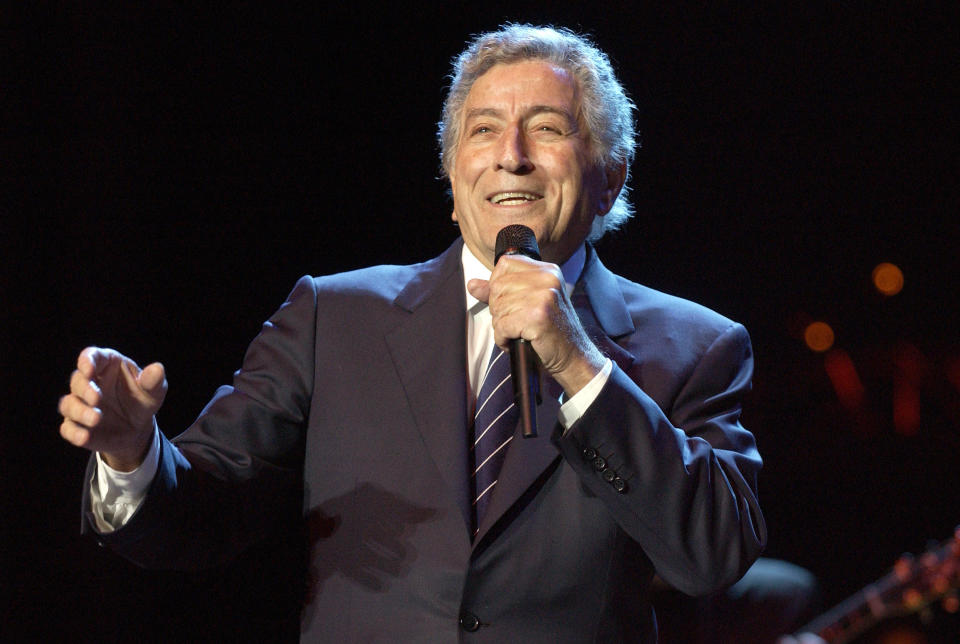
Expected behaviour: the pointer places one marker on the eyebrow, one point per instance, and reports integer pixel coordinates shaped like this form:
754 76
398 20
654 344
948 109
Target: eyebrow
532 111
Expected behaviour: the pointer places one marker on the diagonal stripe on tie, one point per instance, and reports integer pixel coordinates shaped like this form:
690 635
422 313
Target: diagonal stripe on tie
493 427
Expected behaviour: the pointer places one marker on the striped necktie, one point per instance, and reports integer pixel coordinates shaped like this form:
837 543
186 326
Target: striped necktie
493 427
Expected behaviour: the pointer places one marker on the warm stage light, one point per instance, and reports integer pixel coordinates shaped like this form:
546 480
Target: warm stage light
951 604
845 379
888 279
906 408
818 336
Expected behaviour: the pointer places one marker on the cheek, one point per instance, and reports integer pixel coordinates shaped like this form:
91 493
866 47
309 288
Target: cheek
466 167
572 185
460 189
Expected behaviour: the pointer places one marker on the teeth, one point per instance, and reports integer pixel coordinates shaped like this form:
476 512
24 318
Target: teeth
514 196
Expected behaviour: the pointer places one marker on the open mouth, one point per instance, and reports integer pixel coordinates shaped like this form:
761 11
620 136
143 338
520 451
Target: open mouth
513 198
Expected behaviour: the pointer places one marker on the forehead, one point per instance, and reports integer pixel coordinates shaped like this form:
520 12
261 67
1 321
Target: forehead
516 86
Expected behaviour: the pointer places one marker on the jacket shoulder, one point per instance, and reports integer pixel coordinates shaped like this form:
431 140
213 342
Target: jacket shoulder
648 305
377 282
388 283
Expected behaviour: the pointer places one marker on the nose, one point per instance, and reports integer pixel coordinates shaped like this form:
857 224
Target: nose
512 153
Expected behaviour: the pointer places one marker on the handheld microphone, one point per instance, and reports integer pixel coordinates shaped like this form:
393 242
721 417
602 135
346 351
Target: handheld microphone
518 239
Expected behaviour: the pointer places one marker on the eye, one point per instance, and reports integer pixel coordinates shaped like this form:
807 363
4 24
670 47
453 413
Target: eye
548 129
481 129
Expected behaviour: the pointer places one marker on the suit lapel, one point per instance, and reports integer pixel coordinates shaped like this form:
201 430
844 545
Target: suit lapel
429 353
604 315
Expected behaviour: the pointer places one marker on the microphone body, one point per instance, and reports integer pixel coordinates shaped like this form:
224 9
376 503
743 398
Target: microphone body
518 239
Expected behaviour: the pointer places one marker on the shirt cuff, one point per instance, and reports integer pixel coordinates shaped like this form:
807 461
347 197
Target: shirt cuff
576 406
115 496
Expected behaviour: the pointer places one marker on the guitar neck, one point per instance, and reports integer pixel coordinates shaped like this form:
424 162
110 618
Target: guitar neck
909 587
859 612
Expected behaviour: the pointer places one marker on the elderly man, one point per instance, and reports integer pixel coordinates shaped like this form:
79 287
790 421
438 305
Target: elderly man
359 404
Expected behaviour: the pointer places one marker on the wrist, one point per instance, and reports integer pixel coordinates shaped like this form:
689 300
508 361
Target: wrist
577 373
127 460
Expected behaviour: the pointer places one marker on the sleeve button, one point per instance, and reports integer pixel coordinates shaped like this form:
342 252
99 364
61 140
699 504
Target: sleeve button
619 485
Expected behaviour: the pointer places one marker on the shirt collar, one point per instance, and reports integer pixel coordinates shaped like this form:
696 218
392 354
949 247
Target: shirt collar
473 268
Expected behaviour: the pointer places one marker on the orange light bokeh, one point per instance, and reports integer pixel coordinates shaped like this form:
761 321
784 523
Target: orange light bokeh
888 278
818 336
845 379
906 408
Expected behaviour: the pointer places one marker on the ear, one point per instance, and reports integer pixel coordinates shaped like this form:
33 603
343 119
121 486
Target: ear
453 212
614 177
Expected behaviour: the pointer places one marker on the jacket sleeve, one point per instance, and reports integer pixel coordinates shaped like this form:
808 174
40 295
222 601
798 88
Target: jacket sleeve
235 475
681 481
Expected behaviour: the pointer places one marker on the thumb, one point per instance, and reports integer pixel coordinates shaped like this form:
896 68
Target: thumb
153 381
480 289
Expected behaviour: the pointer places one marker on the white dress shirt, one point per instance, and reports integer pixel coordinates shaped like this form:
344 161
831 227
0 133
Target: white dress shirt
115 496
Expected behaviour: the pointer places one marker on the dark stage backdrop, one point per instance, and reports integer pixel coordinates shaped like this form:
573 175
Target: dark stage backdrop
167 174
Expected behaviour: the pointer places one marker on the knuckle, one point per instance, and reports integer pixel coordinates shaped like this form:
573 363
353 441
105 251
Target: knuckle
71 408
540 316
92 395
71 433
78 384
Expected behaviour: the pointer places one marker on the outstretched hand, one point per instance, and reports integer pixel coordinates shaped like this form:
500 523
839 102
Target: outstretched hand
111 406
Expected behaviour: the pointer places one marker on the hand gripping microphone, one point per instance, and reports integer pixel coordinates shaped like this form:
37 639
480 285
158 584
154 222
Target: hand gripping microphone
518 239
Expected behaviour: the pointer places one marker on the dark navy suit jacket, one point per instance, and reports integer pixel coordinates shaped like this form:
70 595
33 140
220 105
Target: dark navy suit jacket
351 409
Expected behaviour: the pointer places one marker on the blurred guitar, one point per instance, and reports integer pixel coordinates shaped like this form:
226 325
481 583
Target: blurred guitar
913 584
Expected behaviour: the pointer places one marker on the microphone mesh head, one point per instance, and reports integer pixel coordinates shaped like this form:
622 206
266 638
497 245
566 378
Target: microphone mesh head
516 239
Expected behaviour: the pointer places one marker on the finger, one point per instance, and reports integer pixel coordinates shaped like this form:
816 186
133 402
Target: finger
76 410
511 263
86 389
480 289
94 361
130 372
78 382
153 379
74 433
539 275
87 362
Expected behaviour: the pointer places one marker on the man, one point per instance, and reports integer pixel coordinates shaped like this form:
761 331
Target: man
355 404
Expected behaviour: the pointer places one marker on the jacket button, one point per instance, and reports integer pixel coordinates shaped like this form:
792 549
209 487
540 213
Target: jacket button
469 622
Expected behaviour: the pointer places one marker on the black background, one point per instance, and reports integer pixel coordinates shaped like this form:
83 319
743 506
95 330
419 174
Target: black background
169 173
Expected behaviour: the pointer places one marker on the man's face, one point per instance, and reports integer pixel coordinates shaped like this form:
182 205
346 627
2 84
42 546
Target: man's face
524 158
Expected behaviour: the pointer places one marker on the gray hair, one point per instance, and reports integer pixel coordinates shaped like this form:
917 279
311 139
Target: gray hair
606 109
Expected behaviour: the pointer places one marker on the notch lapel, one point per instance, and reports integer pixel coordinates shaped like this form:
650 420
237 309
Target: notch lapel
429 354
